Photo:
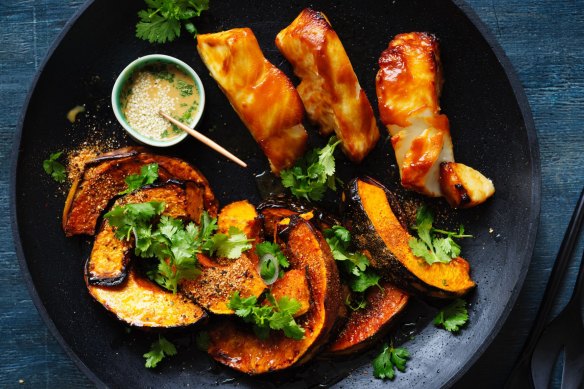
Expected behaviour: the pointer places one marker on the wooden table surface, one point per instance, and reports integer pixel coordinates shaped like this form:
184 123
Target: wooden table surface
544 40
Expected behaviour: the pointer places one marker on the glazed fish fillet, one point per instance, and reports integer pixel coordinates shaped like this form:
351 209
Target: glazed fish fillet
408 86
263 97
329 88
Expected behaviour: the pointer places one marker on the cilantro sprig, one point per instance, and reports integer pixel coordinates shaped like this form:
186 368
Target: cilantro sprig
268 268
158 351
453 316
277 315
174 244
229 245
355 265
388 360
148 174
313 173
429 245
55 168
162 21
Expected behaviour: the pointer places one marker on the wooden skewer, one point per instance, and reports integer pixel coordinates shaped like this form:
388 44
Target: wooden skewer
202 138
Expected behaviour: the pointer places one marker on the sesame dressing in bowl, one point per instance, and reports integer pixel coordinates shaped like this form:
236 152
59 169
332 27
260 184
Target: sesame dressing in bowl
157 83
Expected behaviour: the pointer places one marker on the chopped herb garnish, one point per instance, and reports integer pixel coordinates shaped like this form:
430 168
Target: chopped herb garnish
428 245
272 261
55 168
148 174
228 245
161 21
355 265
187 115
184 88
453 317
313 173
276 315
171 242
163 75
158 351
274 249
389 359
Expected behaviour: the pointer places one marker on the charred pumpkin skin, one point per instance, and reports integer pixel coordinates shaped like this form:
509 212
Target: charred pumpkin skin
365 326
236 346
438 280
104 177
110 256
141 303
278 207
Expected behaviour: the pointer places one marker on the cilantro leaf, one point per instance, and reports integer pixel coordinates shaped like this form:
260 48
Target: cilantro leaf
148 174
389 359
173 244
208 226
274 249
313 174
161 22
364 280
355 265
268 268
430 247
184 88
274 314
453 317
55 168
126 218
158 350
228 246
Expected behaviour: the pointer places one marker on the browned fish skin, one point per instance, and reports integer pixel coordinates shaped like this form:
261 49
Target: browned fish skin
329 88
263 97
408 84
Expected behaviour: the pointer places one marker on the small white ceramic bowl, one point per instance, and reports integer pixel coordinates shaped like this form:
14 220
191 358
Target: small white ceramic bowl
139 64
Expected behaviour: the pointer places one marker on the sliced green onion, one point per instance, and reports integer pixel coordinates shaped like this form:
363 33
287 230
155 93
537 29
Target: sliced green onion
269 268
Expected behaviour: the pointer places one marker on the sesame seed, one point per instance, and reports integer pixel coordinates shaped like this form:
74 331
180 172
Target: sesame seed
149 95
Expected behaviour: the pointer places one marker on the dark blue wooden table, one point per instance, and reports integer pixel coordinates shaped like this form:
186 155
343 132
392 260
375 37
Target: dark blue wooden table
544 40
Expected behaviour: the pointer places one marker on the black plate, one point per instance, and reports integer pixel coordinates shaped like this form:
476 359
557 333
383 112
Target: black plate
491 127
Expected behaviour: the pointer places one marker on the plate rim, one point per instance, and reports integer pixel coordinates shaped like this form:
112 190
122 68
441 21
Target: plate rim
534 158
13 213
535 203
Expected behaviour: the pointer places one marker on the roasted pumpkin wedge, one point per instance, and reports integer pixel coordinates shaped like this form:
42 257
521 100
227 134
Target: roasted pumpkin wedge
240 214
243 216
141 303
213 288
294 284
365 326
236 346
220 278
110 256
380 236
104 177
